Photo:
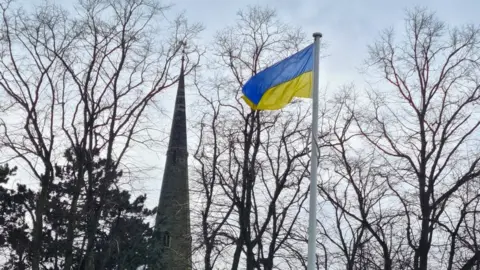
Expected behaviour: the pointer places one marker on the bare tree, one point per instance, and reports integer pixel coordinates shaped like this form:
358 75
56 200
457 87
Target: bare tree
423 134
252 165
355 188
214 211
83 81
425 137
401 166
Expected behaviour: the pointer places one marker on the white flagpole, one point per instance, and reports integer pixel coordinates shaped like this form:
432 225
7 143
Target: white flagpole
312 222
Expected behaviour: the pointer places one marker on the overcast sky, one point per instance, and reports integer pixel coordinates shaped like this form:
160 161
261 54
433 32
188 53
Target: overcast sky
347 26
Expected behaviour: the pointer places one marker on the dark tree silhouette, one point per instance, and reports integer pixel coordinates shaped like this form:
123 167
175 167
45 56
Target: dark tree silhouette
83 81
15 205
251 167
403 160
122 237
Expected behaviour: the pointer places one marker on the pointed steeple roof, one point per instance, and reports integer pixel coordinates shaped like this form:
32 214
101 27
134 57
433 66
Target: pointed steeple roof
172 241
178 133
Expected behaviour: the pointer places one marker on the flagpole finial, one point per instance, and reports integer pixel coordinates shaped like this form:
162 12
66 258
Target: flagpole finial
317 34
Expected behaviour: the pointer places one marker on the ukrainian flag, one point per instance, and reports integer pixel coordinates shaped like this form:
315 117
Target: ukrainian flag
276 86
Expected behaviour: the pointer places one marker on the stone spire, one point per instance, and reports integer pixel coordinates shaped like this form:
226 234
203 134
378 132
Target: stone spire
172 225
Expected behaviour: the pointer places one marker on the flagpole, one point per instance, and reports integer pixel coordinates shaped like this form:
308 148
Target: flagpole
312 219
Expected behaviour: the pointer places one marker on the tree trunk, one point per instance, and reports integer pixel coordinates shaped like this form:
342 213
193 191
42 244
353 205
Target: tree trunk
72 221
38 224
238 252
111 237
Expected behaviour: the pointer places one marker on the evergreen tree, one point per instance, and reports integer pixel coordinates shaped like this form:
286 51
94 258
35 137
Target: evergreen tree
122 234
15 209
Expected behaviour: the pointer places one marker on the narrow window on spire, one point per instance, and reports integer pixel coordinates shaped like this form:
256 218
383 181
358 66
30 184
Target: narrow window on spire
166 239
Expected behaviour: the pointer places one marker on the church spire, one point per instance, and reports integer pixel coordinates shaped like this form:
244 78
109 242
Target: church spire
172 239
178 133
